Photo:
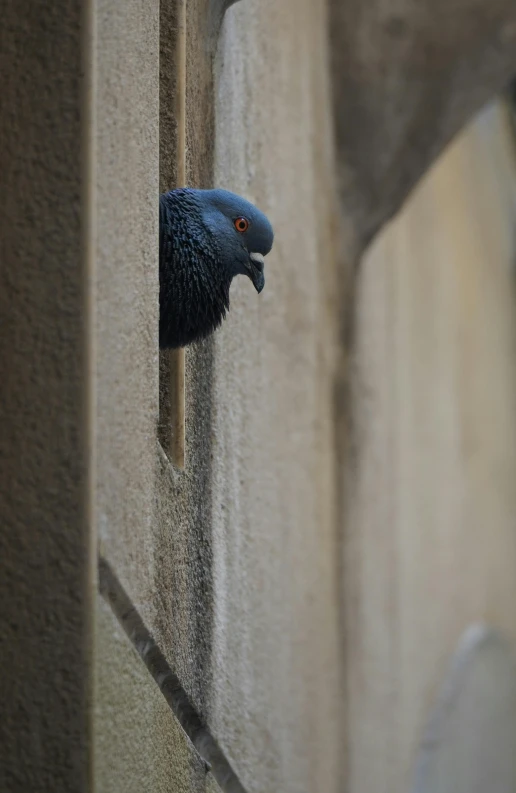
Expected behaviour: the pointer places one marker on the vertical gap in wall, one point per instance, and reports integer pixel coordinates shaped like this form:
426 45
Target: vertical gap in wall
511 101
172 153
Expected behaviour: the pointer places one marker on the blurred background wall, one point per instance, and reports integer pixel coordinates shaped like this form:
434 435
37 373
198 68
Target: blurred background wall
430 530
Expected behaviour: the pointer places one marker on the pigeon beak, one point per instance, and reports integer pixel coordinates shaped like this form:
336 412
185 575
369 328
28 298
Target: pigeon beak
256 266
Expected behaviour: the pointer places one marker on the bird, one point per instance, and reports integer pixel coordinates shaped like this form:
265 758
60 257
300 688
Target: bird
206 238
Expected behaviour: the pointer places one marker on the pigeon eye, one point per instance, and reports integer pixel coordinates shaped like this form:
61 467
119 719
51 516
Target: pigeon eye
241 224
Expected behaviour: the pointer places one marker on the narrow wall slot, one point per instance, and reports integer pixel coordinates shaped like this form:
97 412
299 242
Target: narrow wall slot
171 430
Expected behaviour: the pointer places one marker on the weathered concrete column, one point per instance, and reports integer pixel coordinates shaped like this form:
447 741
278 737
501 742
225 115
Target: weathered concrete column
45 549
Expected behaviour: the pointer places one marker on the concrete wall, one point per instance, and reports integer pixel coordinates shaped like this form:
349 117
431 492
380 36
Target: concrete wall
235 573
233 581
410 76
139 743
45 558
430 533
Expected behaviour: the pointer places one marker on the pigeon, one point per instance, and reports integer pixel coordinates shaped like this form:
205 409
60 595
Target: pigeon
206 238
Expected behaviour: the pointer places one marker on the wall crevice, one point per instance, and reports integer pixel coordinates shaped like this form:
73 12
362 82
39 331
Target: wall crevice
167 681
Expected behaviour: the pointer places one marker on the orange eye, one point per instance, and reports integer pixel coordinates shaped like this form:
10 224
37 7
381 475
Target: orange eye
241 224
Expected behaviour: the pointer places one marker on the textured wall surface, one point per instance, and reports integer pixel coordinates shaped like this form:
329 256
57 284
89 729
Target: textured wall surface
126 278
430 537
140 747
274 559
44 555
236 575
248 527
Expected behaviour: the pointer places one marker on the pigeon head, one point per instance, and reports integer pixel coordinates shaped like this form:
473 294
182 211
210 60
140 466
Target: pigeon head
207 237
243 233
